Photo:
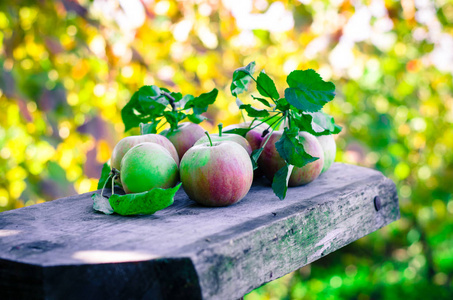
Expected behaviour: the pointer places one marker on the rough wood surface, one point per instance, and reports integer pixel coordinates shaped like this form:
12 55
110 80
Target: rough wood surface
65 250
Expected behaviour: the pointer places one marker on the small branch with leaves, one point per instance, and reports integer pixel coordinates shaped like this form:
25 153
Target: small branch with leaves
154 107
300 108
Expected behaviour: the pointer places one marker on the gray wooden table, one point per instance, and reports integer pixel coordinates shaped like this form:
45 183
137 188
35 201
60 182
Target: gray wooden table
65 250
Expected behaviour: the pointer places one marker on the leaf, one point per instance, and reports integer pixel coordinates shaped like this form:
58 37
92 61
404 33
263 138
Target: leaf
318 123
307 91
102 204
266 86
241 79
149 127
254 156
282 105
303 122
145 203
239 131
151 100
262 100
280 181
173 118
253 112
325 124
291 150
176 96
182 103
197 119
200 104
132 113
105 175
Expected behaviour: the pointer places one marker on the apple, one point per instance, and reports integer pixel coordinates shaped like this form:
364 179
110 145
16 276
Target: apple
216 173
270 160
124 145
226 137
184 137
147 166
329 148
254 136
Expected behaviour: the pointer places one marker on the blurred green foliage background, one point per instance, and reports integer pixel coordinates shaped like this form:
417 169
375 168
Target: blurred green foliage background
68 67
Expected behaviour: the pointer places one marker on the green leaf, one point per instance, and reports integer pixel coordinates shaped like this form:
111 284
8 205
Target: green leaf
102 204
151 100
253 112
239 131
176 96
197 119
200 104
241 79
303 122
307 91
182 103
282 105
145 203
262 100
132 113
324 124
317 123
149 127
105 175
266 86
254 156
280 181
291 149
173 118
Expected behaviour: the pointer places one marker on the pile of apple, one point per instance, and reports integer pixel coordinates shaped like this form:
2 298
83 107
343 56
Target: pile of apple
215 169
289 141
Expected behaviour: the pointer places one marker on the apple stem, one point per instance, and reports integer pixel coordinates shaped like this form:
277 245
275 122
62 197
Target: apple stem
209 138
220 129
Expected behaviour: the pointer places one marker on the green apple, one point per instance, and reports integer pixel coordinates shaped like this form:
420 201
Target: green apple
147 166
124 145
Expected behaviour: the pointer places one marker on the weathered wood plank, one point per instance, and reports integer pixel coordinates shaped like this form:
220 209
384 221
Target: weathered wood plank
63 249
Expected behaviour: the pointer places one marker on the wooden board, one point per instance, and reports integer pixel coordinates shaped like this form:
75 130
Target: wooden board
64 250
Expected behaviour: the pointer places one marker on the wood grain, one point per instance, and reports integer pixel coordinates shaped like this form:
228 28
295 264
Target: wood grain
64 249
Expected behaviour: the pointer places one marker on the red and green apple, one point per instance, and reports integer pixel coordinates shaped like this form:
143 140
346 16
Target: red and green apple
184 137
270 160
220 137
254 136
216 174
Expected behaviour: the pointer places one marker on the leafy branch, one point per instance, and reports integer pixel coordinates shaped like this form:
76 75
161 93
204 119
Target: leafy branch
152 107
301 108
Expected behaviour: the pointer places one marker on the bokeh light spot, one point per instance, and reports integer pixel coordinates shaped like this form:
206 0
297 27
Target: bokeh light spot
336 282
